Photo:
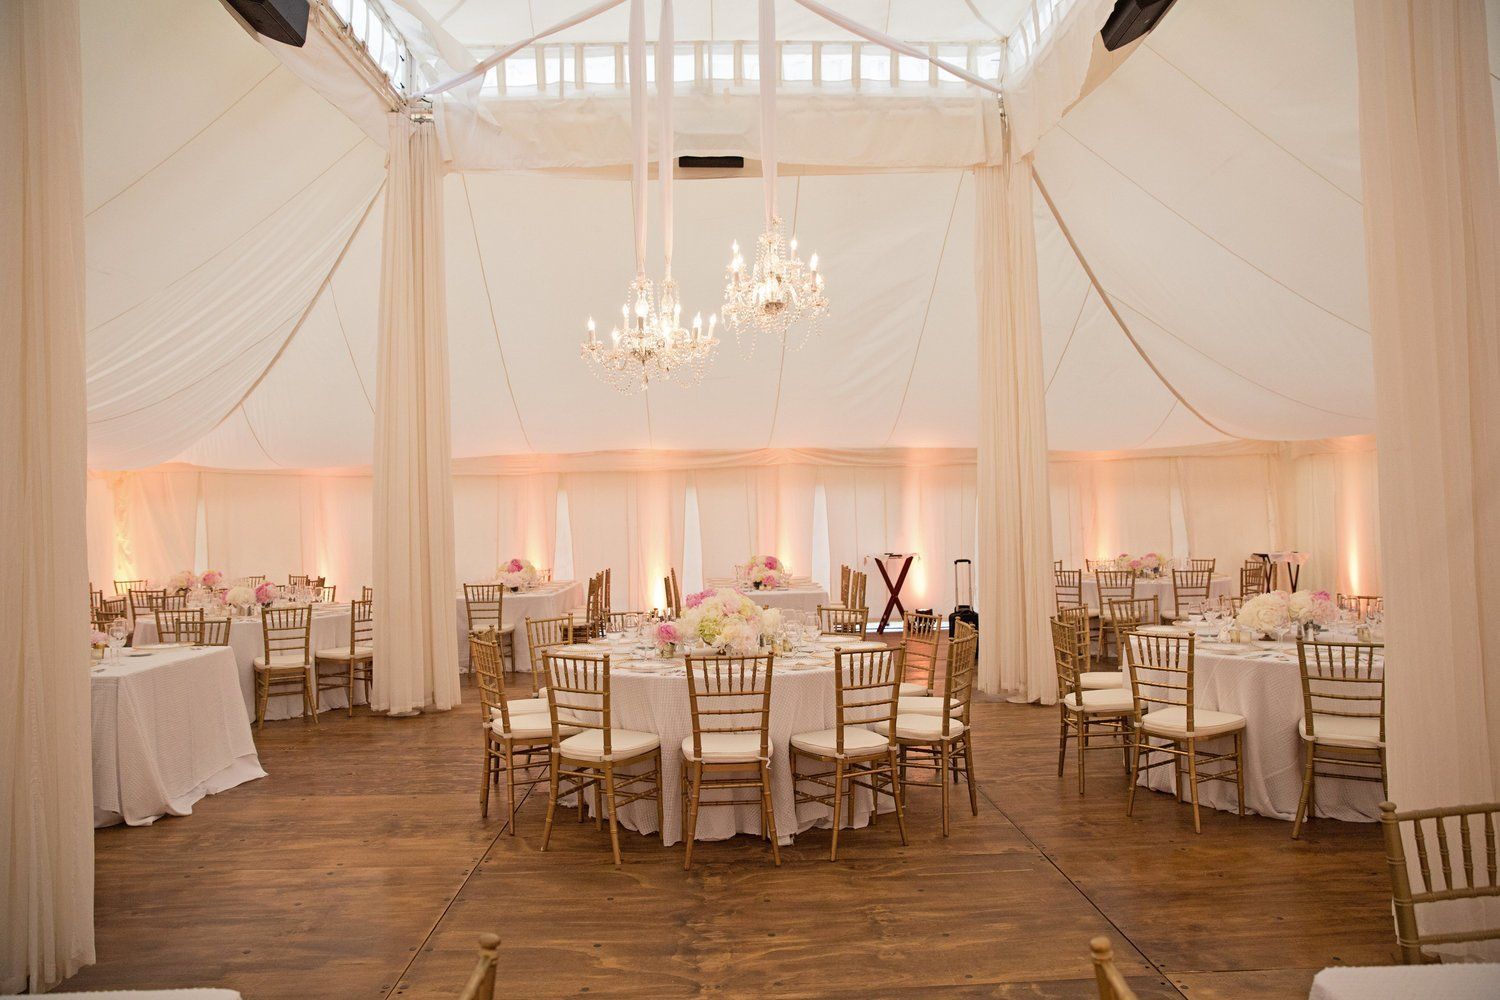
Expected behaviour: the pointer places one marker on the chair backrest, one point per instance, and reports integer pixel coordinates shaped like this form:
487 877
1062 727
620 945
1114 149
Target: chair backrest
1363 605
920 637
1266 569
1078 616
484 606
958 679
1342 680
1125 616
124 587
1093 565
107 613
543 634
1452 831
961 629
216 631
1068 586
858 585
169 602
361 625
367 593
594 608
1067 654
484 657
674 594
865 690
96 597
1189 587
1203 564
251 581
1112 985
1161 671
842 621
731 694
1252 581
288 633
578 689
1114 585
607 594
293 580
179 625
481 984
144 599
1056 565
327 595
844 574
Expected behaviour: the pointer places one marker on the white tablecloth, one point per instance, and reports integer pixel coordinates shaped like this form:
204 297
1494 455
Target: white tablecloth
1263 682
651 696
1477 981
1160 587
247 637
169 727
798 597
549 600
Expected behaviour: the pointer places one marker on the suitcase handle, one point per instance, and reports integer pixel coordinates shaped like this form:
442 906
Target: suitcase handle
970 564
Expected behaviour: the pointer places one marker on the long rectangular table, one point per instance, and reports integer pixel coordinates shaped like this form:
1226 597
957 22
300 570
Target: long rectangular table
169 727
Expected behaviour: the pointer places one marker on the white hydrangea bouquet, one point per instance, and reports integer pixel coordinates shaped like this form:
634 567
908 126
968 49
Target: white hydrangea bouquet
725 619
767 573
1265 613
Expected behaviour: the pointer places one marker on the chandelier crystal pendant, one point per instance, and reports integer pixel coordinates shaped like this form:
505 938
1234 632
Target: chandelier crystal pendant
650 342
778 291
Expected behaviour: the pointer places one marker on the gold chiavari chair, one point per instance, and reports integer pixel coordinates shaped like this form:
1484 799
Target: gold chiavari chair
367 593
588 621
144 601
920 637
607 595
1127 616
293 580
1068 587
1096 719
171 602
180 625
578 696
937 743
844 574
96 597
1252 581
1094 565
1267 571
102 617
251 581
1112 985
1473 877
842 621
327 595
1363 605
286 665
543 634
860 755
481 984
623 621
674 595
114 607
216 631
517 734
1207 565
124 587
484 608
1190 589
730 697
858 583
1057 566
1161 681
1343 717
1111 585
1079 616
353 661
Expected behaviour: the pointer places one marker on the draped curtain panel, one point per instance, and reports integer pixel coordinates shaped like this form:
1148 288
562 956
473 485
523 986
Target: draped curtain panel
157 514
1015 532
415 583
1432 246
46 785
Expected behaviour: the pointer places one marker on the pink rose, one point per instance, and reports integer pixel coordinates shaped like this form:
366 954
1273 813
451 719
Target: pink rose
212 578
772 562
265 593
667 633
515 566
693 600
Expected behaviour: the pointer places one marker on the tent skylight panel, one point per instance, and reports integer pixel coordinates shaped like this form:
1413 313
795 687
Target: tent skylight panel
370 26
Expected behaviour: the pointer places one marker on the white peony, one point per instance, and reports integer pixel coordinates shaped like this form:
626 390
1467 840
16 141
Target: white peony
240 595
1265 613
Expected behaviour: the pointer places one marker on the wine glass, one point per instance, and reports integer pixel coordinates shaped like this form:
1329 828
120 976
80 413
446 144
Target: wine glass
117 633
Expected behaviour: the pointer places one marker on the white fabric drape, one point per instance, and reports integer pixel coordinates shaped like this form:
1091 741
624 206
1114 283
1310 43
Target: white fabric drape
1432 242
1015 543
46 786
415 645
156 517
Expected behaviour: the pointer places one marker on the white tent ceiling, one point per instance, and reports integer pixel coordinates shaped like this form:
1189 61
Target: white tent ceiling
1212 183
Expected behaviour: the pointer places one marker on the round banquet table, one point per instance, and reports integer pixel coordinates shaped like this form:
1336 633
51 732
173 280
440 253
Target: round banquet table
651 695
1263 682
547 600
1159 587
801 595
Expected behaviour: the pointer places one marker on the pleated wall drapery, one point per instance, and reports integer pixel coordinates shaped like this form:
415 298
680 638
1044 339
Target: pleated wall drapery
416 651
1432 246
1015 535
46 773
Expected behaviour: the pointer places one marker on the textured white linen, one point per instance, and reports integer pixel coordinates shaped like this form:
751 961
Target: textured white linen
169 728
1014 551
247 640
413 548
1265 687
550 600
46 876
1432 230
1476 981
794 598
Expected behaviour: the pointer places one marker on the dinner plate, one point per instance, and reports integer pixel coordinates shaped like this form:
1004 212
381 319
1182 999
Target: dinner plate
152 647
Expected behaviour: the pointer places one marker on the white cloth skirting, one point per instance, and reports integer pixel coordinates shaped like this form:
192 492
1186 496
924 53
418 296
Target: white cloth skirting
1268 693
168 729
550 600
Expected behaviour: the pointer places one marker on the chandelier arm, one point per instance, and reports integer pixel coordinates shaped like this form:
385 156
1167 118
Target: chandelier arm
665 87
638 133
770 69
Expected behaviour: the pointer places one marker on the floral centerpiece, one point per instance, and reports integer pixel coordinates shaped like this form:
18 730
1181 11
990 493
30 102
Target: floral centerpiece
240 596
266 593
767 573
97 641
518 574
665 636
723 619
1264 614
1151 564
1312 610
211 579
181 583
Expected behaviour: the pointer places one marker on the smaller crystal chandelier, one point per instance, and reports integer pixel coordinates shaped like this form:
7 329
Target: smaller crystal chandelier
650 343
778 292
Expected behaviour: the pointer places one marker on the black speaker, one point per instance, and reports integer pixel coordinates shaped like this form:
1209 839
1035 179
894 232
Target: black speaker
283 20
1131 19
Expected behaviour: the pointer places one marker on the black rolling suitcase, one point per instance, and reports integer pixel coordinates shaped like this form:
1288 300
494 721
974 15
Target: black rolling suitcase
963 595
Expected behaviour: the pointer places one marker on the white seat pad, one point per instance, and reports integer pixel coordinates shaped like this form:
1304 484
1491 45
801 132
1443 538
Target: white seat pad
279 660
589 745
524 706
1339 731
1104 700
1172 721
911 689
921 727
1095 680
727 748
529 727
342 653
925 705
857 741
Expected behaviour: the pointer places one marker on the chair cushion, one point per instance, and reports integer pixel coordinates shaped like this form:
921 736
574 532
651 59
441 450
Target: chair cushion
911 689
281 661
920 727
1339 731
857 742
529 727
925 705
342 653
727 748
1114 700
1172 721
1095 680
524 706
589 745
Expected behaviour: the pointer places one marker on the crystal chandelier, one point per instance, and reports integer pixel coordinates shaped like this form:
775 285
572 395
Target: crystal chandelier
650 342
778 291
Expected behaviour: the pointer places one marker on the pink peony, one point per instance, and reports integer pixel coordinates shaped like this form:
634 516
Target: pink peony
772 562
1135 564
666 633
98 638
514 566
212 578
265 593
1322 595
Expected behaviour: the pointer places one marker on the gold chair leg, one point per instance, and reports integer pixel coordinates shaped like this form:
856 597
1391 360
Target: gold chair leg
510 787
661 808
553 764
484 782
969 775
1081 745
1062 741
691 832
614 821
838 801
349 688
1239 770
898 796
769 808
1192 763
262 696
944 751
1135 770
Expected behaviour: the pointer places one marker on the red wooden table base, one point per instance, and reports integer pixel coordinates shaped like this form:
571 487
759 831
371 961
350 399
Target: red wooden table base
894 589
